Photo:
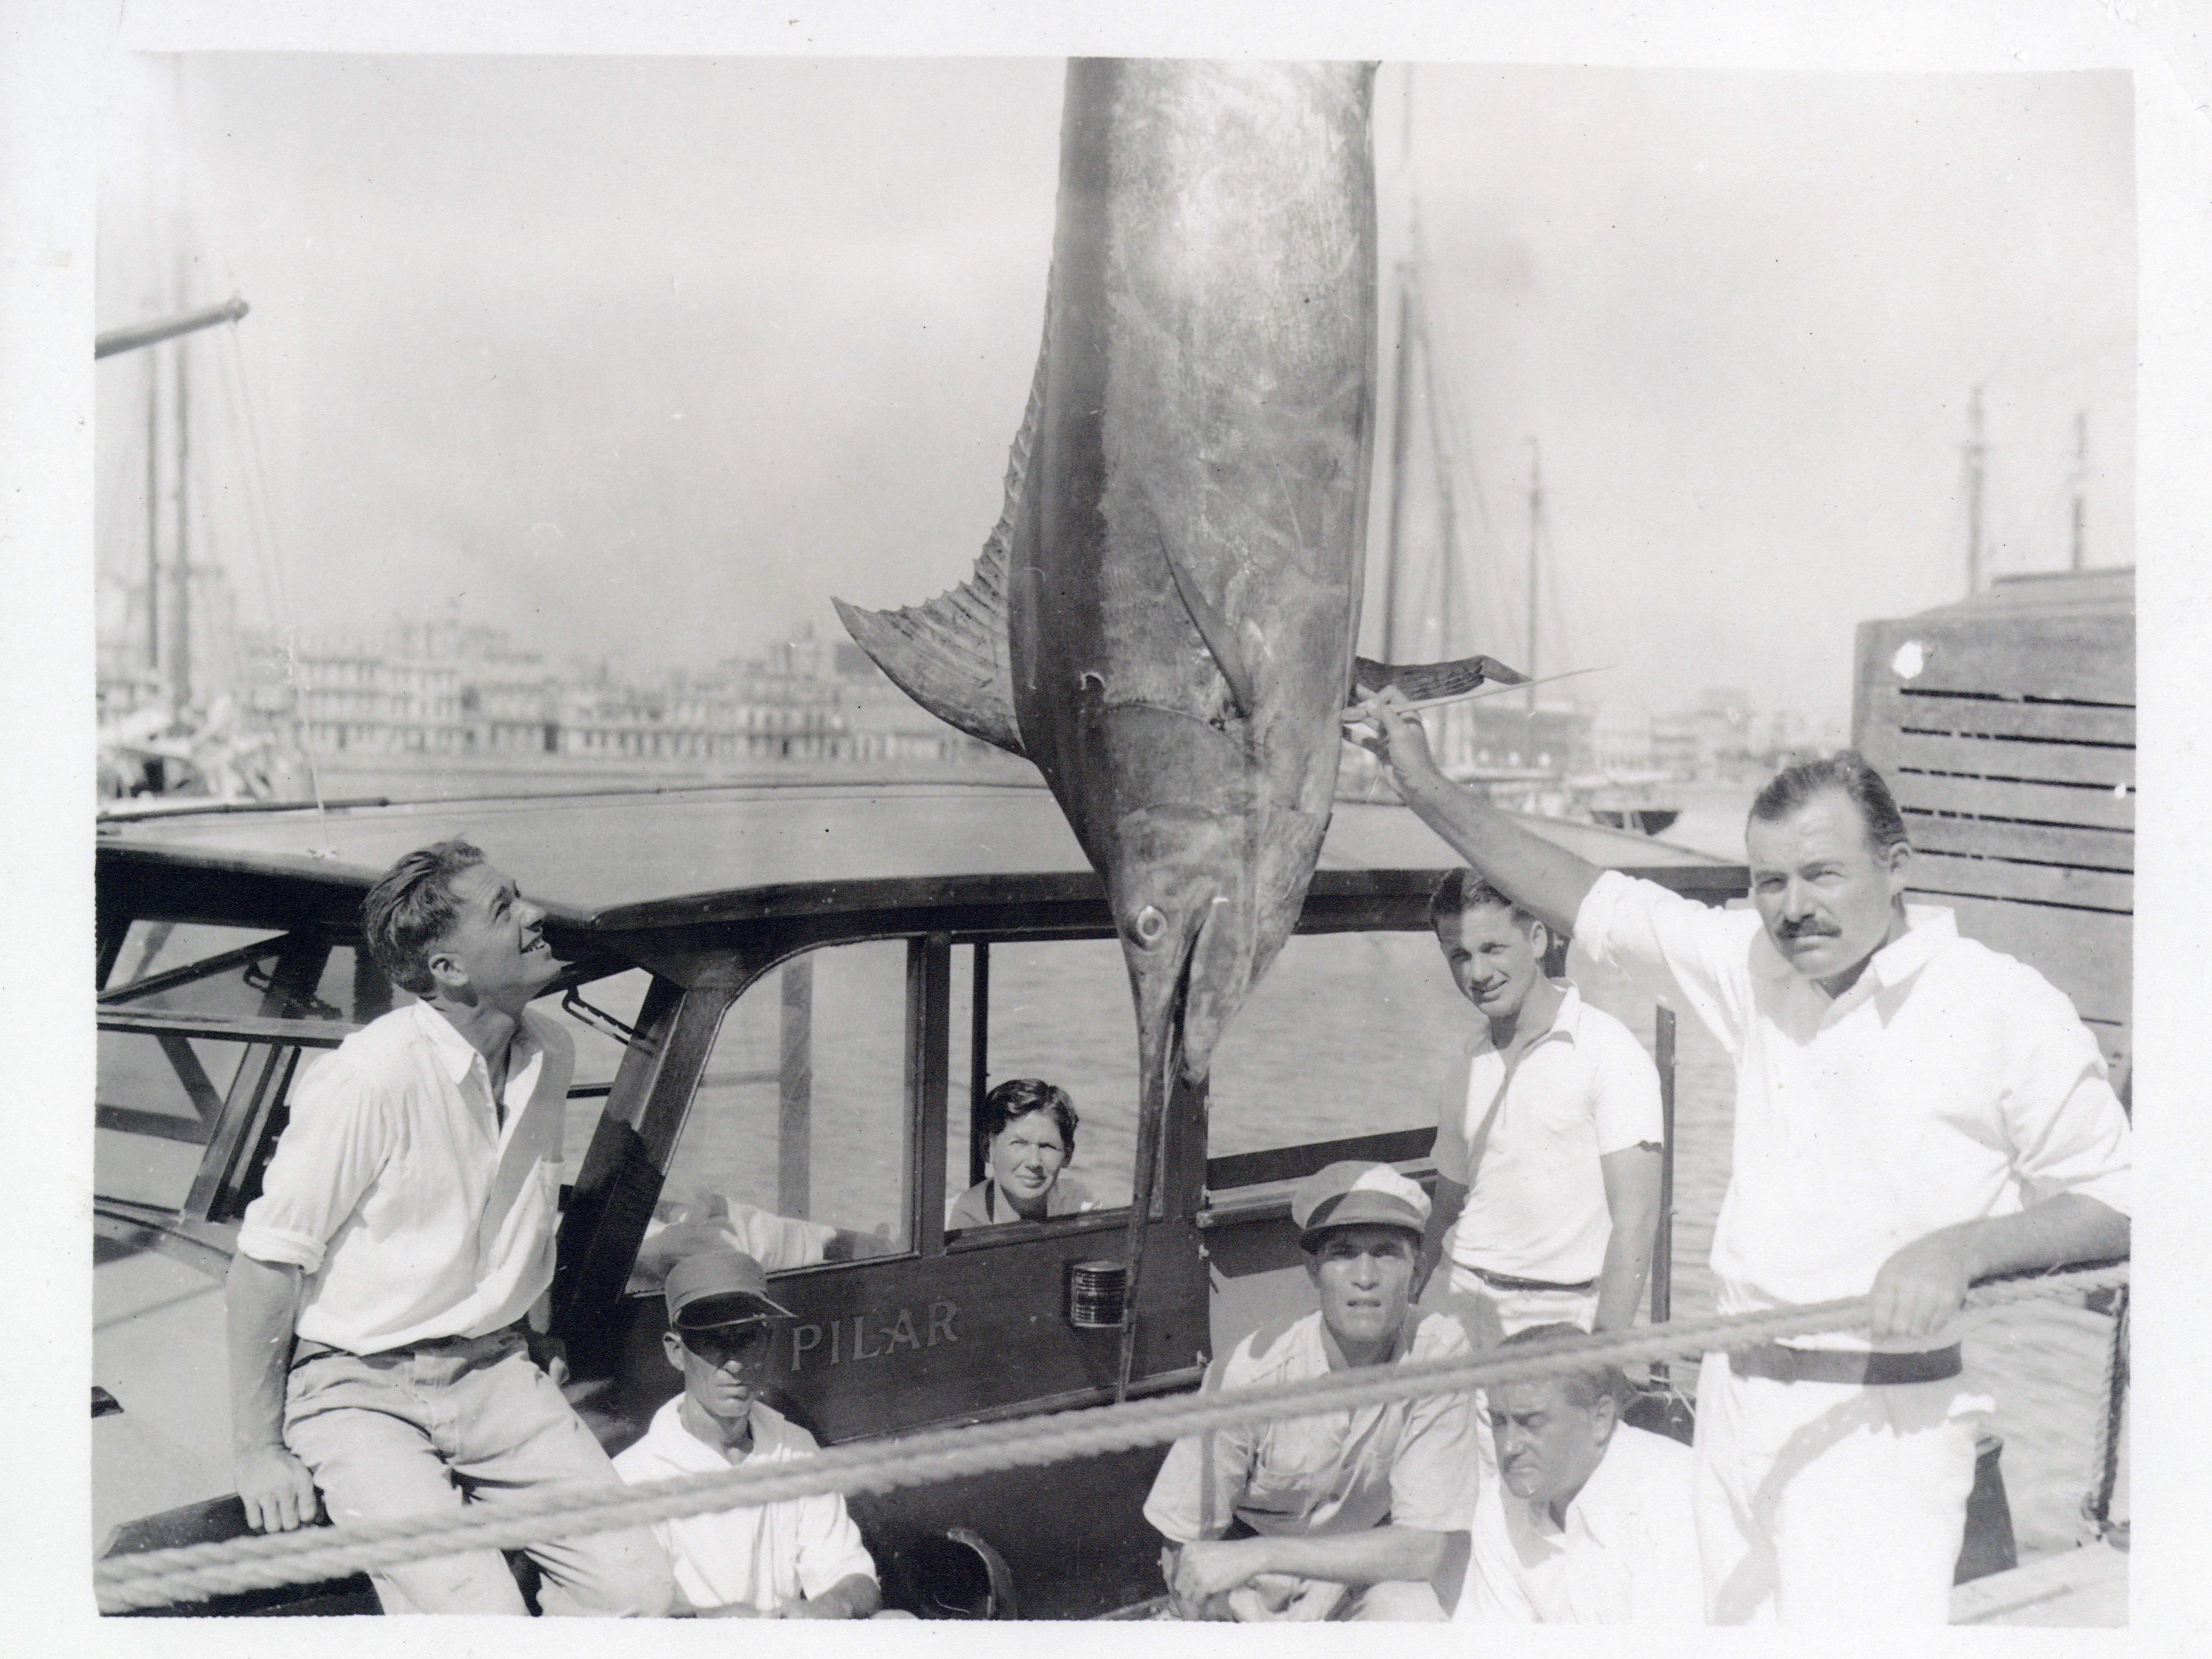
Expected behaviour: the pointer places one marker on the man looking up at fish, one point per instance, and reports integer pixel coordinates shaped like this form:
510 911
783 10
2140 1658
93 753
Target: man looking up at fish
1548 1135
1346 1514
379 1305
1913 1112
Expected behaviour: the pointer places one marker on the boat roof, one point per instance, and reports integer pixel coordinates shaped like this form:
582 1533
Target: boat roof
620 860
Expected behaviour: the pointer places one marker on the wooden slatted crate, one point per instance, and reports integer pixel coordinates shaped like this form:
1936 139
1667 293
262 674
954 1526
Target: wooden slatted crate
2006 727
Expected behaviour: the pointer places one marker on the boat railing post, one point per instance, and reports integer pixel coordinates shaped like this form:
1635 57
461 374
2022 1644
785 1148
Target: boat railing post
795 1129
1662 1245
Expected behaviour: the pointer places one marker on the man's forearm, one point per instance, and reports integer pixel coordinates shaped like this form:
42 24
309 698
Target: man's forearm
853 1596
2067 1228
1620 1281
1376 1556
261 1305
1547 881
1631 1198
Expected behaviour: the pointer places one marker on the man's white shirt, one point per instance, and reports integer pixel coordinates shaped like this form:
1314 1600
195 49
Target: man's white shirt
1537 1209
412 1211
764 1555
1626 1555
1949 1083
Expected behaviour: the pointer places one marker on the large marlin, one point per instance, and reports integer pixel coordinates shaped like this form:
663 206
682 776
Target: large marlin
1164 619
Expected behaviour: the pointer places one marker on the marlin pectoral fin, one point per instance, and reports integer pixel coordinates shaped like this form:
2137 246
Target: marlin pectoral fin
1423 680
949 655
1213 628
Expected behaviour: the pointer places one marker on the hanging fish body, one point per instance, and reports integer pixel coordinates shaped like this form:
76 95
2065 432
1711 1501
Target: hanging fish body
1164 620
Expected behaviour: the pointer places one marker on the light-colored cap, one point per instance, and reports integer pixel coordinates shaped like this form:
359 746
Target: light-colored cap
1352 1195
719 1287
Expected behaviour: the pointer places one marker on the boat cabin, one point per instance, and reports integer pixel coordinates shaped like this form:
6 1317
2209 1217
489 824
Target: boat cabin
789 1003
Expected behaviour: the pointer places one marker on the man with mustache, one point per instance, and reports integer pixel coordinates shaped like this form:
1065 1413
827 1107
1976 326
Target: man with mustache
1914 1111
378 1301
1548 1135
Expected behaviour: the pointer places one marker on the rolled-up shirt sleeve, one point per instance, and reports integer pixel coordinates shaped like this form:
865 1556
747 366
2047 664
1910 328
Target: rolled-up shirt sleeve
1194 1495
1432 1477
336 1142
2068 1130
1669 946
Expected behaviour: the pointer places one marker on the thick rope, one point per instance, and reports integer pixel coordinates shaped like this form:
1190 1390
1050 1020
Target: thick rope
311 1555
2098 1506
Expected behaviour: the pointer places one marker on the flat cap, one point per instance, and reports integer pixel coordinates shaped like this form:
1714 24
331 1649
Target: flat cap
1352 1194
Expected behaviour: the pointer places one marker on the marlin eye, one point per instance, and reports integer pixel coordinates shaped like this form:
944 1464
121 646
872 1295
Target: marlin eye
1148 924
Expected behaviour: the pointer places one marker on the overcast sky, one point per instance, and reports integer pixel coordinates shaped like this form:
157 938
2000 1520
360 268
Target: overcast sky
647 358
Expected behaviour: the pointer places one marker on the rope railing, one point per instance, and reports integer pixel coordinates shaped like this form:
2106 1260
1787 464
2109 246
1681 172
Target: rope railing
311 1555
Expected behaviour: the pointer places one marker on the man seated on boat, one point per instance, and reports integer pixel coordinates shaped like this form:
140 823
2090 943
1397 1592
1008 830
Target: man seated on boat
1349 1514
799 1559
1548 1135
1914 1111
1590 1520
1027 1128
378 1300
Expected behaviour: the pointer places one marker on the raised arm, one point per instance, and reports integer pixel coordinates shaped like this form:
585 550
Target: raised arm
261 1304
1547 881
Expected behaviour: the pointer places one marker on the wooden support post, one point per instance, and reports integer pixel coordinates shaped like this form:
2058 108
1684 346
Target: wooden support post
1662 1246
795 1129
979 1059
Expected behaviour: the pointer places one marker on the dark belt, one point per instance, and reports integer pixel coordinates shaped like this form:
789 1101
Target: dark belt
1786 1364
1507 1282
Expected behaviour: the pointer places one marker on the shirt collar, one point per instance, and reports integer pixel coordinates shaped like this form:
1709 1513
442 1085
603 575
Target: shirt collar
674 1443
1594 1504
1566 1020
460 1054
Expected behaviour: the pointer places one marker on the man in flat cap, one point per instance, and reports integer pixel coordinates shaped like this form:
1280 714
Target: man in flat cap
1348 1514
800 1558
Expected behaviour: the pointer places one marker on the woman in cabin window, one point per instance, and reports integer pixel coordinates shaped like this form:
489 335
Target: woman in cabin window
1028 1126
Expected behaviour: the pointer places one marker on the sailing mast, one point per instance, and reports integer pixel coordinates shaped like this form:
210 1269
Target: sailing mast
1535 537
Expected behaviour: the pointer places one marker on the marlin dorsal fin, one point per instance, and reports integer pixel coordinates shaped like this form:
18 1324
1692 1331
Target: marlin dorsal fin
1421 681
951 656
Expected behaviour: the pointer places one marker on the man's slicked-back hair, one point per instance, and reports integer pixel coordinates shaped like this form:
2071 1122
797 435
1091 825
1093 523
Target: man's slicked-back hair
1847 772
1585 1385
412 907
1461 890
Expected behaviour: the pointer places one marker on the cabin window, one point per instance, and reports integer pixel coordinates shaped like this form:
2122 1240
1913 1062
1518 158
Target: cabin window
607 1004
797 1147
1057 1010
159 1093
1348 1035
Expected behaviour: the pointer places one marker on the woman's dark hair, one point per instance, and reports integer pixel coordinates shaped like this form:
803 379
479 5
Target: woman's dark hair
1017 1096
411 909
1845 771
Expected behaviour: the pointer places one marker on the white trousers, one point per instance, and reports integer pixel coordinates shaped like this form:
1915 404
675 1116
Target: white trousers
1829 1503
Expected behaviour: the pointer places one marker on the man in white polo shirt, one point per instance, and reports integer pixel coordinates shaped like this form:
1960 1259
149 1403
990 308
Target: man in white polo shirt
1590 1522
1548 1135
799 1559
1913 1111
404 1233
